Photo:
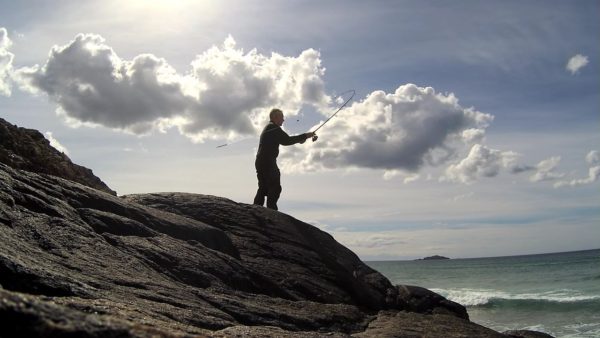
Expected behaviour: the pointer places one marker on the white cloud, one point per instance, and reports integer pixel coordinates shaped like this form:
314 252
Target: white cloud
463 196
481 162
6 59
473 135
576 63
407 176
237 88
91 84
376 240
391 174
140 148
54 143
411 178
221 97
593 174
403 130
545 170
593 159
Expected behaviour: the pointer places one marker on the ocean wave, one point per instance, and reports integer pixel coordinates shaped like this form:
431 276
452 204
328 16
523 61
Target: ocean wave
596 277
481 297
581 330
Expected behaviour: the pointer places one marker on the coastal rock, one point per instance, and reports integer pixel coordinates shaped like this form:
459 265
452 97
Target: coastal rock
28 149
80 262
299 261
74 259
411 324
421 300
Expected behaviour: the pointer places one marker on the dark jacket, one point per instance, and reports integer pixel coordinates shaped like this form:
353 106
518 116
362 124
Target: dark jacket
270 139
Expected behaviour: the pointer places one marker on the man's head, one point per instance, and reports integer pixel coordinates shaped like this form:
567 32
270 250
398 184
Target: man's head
276 116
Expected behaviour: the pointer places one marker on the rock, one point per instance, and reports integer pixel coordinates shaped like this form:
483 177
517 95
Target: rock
421 300
79 262
411 324
304 262
184 263
28 149
432 258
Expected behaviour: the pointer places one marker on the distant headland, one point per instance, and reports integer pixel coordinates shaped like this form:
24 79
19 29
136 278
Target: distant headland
433 258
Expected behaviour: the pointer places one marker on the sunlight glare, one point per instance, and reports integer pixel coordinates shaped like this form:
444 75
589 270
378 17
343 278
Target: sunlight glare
167 12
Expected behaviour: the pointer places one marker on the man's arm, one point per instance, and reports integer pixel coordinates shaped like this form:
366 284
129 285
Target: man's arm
286 140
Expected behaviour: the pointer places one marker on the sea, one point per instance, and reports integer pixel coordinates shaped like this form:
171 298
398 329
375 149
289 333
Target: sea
555 293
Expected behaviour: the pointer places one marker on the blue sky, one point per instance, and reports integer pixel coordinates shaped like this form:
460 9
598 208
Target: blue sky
474 130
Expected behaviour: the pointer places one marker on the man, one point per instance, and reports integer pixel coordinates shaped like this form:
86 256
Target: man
269 183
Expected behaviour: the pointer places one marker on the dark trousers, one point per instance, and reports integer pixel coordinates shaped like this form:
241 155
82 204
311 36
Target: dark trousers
269 185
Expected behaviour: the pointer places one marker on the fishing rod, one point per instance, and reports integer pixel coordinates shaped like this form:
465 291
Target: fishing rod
314 138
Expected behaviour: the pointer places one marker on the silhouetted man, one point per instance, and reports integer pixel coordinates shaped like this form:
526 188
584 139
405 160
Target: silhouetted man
269 182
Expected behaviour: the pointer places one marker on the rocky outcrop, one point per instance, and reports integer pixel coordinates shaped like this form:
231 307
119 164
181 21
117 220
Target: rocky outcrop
28 149
78 261
75 261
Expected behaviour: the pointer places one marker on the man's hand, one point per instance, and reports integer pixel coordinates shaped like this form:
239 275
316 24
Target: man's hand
309 135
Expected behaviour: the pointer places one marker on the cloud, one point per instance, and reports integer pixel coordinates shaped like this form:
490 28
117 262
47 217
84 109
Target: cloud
473 135
412 178
376 240
91 84
463 196
481 162
545 170
576 62
593 174
6 60
223 95
54 143
407 177
593 159
403 130
236 88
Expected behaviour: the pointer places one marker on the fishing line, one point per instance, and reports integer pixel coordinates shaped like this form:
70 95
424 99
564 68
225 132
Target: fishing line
320 126
314 138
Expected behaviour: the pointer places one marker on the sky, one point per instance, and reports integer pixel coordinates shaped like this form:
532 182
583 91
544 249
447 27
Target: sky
473 132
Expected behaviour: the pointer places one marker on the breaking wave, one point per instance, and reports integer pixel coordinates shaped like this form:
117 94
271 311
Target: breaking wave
565 299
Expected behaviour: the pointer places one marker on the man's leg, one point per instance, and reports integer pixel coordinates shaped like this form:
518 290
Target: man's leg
273 188
259 199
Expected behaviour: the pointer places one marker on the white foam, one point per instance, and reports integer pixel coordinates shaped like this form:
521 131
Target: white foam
471 297
475 297
538 328
582 330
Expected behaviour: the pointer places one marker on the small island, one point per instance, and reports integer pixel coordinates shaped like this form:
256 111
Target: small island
432 258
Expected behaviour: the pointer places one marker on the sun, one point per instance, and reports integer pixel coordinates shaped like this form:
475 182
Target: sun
166 5
164 8
162 14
